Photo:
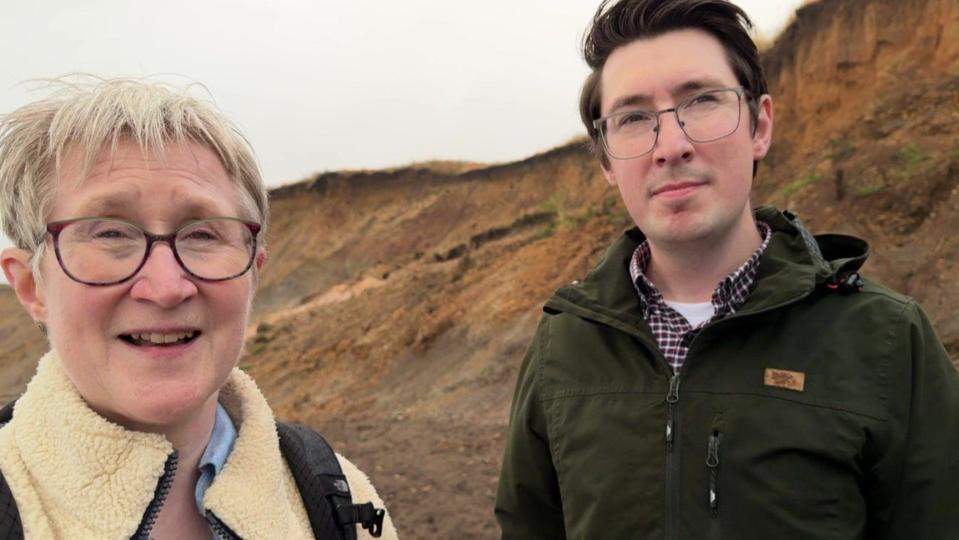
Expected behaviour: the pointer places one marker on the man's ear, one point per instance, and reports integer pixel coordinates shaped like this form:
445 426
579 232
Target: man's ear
609 174
17 268
763 134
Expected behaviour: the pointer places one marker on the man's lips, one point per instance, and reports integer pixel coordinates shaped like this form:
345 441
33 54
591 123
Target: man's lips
676 188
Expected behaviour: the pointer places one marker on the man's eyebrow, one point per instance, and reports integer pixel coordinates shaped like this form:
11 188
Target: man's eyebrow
645 100
695 85
632 100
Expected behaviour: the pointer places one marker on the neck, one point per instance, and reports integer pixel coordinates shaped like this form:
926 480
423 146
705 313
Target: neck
689 271
179 516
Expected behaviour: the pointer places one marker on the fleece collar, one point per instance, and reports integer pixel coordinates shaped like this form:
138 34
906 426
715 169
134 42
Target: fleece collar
77 475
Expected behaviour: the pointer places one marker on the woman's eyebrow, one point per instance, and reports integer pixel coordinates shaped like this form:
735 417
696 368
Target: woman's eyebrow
110 203
124 203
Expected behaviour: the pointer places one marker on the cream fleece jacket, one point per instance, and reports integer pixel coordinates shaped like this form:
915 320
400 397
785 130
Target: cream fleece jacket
75 475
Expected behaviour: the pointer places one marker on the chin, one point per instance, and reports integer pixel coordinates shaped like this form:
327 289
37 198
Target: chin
678 229
156 408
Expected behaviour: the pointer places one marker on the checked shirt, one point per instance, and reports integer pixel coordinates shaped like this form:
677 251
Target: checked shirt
672 331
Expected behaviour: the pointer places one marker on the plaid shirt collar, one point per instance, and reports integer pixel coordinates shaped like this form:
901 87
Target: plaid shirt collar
730 294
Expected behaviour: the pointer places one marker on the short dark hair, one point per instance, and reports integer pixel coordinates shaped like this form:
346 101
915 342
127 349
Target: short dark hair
621 22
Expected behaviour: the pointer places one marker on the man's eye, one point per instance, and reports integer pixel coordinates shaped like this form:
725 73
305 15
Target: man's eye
637 117
701 99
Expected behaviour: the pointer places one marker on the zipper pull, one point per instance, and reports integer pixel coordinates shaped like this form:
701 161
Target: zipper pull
669 435
712 457
712 462
673 395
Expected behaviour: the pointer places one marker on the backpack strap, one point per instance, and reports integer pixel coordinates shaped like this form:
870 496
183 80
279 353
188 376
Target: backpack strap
6 413
10 525
323 486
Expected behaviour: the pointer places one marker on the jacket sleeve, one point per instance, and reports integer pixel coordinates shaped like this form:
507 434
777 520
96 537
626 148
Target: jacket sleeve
528 502
917 493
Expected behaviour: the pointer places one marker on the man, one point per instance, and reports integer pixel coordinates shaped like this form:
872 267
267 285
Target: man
721 373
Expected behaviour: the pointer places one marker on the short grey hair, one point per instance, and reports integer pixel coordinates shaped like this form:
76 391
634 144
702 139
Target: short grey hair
91 115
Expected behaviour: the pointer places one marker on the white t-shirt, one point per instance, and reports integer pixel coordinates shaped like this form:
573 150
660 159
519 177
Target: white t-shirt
696 313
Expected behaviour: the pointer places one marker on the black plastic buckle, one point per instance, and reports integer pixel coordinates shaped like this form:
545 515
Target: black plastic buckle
370 517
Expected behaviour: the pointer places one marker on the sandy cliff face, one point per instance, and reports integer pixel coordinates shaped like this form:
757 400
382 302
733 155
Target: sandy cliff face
867 137
865 66
397 304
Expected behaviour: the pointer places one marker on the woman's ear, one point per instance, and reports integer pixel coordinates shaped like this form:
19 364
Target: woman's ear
16 266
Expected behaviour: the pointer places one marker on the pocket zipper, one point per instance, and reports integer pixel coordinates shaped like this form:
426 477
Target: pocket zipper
712 463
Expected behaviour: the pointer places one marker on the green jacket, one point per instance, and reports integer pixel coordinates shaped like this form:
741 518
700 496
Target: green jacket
809 414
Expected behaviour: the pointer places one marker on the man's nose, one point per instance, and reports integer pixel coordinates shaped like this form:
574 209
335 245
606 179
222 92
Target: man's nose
162 280
672 144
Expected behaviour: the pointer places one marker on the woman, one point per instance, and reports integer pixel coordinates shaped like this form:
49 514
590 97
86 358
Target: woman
138 214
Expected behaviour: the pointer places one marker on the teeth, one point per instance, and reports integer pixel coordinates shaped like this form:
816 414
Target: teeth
162 339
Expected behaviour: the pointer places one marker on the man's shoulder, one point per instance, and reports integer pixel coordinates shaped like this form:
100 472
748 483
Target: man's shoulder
871 296
884 296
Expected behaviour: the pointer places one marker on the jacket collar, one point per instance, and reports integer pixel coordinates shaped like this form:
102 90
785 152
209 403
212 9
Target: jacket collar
85 477
793 265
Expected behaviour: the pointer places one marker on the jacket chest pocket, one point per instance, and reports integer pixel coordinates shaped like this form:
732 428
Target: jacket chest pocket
791 470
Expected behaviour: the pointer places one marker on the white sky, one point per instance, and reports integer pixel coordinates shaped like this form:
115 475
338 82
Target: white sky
332 84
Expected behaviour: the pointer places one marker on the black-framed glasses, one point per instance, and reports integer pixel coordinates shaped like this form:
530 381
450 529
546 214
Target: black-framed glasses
703 117
103 251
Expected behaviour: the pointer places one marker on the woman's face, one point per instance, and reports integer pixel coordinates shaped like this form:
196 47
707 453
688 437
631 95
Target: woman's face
105 335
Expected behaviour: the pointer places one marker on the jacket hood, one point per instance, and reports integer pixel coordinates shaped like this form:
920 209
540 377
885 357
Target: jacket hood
833 255
794 264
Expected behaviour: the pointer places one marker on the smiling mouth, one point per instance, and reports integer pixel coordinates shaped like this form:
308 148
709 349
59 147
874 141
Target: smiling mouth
154 339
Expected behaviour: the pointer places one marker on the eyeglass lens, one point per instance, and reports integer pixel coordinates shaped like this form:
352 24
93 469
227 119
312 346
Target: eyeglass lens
704 117
101 251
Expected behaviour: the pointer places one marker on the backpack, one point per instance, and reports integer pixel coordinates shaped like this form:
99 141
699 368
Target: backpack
321 483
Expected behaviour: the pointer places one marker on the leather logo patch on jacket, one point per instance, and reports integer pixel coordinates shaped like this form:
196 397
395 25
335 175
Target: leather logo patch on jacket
781 378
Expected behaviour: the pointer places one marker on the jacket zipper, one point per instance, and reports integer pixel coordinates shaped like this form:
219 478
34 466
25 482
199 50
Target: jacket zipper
672 458
159 497
220 529
673 430
672 397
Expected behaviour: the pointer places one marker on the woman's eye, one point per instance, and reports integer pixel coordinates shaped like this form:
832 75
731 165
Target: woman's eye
200 235
111 234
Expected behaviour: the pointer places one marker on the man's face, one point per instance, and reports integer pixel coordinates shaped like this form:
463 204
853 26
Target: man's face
146 386
682 192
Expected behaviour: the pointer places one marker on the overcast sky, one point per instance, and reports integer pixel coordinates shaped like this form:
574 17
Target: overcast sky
337 84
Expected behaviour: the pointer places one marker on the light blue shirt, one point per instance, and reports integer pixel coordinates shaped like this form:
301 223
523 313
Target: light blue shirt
216 453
